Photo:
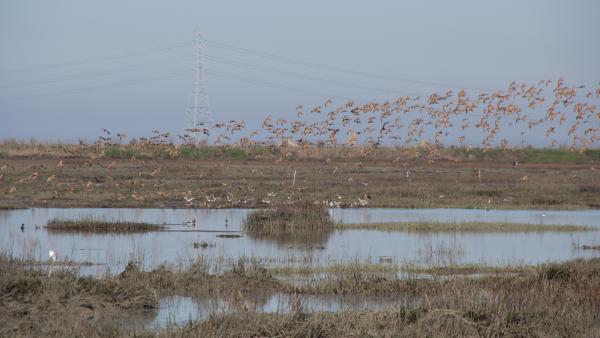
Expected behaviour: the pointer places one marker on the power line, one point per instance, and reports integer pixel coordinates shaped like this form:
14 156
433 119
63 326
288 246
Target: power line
81 90
273 84
247 51
96 59
87 75
275 57
306 77
217 74
94 88
337 69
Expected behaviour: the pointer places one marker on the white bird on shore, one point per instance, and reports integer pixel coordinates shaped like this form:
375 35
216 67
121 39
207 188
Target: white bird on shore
51 257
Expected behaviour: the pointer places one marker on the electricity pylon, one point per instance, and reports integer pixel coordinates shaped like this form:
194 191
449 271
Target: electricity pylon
199 114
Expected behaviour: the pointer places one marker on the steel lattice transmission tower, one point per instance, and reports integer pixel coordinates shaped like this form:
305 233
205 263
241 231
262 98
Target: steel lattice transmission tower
199 114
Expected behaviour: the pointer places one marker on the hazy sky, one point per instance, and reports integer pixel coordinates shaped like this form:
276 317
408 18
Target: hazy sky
69 68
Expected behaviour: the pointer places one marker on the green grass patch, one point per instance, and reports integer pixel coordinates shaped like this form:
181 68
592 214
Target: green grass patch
532 155
89 224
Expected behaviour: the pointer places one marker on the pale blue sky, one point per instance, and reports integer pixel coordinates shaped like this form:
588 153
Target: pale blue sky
472 43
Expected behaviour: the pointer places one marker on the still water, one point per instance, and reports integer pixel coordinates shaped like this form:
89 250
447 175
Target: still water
112 252
179 310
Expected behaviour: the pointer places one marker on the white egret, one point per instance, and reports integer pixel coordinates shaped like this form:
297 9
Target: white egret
52 258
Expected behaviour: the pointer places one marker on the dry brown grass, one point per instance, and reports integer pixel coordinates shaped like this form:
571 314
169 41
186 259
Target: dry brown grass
556 300
548 300
299 217
234 183
40 302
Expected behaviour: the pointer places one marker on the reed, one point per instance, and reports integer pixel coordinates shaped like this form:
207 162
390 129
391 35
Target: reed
300 217
556 299
91 224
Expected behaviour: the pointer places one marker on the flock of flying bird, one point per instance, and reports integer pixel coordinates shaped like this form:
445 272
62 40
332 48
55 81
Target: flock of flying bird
550 105
562 111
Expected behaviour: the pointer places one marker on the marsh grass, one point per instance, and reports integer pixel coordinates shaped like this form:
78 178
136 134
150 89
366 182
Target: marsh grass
466 269
96 225
204 245
299 217
476 227
351 267
590 247
35 302
14 147
557 299
407 269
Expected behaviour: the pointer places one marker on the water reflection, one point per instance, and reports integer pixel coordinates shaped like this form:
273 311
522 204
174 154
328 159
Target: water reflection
112 252
179 310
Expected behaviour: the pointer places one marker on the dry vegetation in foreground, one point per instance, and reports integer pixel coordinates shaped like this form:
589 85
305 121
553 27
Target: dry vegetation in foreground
390 271
225 177
37 302
90 224
554 300
548 300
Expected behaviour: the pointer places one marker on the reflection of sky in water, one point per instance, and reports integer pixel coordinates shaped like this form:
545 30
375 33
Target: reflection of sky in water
178 310
372 215
177 248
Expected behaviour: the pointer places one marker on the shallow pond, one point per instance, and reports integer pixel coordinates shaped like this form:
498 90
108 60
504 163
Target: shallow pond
179 310
111 252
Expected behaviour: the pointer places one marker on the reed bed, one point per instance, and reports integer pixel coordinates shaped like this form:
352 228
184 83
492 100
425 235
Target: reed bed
95 225
407 269
559 299
299 217
39 302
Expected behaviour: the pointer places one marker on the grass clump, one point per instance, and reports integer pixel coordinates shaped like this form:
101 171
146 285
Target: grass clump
204 245
300 217
90 224
468 269
122 153
39 302
590 247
